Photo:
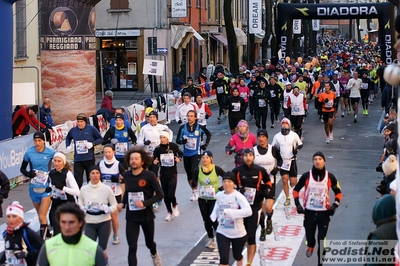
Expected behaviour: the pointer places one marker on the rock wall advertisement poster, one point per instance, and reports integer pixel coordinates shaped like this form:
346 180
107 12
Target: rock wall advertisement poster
68 57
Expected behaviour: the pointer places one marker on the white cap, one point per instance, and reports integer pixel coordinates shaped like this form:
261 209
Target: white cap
16 209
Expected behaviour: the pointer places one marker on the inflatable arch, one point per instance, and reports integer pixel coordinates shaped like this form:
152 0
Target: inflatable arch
383 11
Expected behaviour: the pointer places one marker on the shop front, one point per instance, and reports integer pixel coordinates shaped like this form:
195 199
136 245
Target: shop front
120 59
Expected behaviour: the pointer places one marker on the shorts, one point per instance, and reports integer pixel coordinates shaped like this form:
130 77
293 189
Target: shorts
271 194
233 122
327 115
344 95
292 171
336 102
118 198
37 197
354 100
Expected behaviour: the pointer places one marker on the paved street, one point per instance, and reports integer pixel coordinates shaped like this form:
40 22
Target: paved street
352 156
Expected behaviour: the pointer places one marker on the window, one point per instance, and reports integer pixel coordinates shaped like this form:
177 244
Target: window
119 4
198 3
20 16
208 6
217 10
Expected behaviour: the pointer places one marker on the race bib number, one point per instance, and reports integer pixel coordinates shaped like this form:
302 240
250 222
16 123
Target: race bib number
152 146
243 95
191 144
262 103
236 107
12 260
167 159
93 206
220 89
329 104
296 109
132 198
286 164
201 118
81 147
111 185
364 86
273 95
59 194
41 178
226 222
250 194
121 148
207 192
317 198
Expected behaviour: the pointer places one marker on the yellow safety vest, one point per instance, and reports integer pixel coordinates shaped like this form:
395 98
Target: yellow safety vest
62 254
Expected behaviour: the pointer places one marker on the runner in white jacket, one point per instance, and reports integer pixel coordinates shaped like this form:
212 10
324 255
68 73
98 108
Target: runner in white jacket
184 108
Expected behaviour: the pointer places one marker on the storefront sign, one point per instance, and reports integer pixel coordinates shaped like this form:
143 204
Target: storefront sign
178 8
255 16
118 33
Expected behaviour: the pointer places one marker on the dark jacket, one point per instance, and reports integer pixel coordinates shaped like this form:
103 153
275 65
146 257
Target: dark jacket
384 216
177 83
45 117
4 189
232 103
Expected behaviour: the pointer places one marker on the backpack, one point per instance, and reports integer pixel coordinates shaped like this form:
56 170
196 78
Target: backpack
25 238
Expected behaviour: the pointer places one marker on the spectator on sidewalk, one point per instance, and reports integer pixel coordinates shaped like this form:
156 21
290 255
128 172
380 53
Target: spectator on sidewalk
107 101
25 116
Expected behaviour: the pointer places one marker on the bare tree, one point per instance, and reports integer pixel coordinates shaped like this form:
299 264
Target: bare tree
230 33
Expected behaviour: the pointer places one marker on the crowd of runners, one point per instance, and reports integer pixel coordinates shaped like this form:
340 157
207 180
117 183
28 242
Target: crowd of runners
139 170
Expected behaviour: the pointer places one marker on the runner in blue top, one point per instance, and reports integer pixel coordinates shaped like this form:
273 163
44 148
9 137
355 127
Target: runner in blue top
119 135
39 159
189 135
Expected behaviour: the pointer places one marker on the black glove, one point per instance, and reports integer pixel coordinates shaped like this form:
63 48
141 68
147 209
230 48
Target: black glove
115 179
58 185
19 254
95 213
332 209
379 168
31 174
180 122
207 116
203 147
300 209
147 142
1 199
326 100
48 189
184 141
274 171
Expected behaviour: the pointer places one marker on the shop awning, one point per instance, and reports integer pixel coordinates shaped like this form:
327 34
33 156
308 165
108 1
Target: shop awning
221 38
241 37
198 37
259 36
181 35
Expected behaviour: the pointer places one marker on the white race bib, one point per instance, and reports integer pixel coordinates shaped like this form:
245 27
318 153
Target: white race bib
132 198
250 194
191 144
167 159
121 148
41 178
81 147
207 192
220 89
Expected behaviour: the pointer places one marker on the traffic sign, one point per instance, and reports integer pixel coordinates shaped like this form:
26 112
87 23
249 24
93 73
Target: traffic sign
162 50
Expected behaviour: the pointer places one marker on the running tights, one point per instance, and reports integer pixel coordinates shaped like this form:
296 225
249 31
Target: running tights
132 235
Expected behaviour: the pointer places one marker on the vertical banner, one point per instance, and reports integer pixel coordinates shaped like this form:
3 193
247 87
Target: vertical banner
296 26
315 24
68 46
255 16
6 66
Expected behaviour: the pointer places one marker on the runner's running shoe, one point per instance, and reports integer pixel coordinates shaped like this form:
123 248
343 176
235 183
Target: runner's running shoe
115 240
156 260
169 217
287 201
269 227
210 243
175 211
263 234
309 252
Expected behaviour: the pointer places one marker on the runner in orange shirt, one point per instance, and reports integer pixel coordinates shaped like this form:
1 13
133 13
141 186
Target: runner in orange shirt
327 99
316 90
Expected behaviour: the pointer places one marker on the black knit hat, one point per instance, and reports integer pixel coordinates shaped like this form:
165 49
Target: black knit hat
229 175
262 132
38 135
81 116
319 153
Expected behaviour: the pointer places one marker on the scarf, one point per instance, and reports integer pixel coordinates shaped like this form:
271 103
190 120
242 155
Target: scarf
244 136
112 161
207 169
11 230
318 174
72 240
120 128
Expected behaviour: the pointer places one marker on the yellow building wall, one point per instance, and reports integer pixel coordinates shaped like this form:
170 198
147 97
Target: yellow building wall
31 64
